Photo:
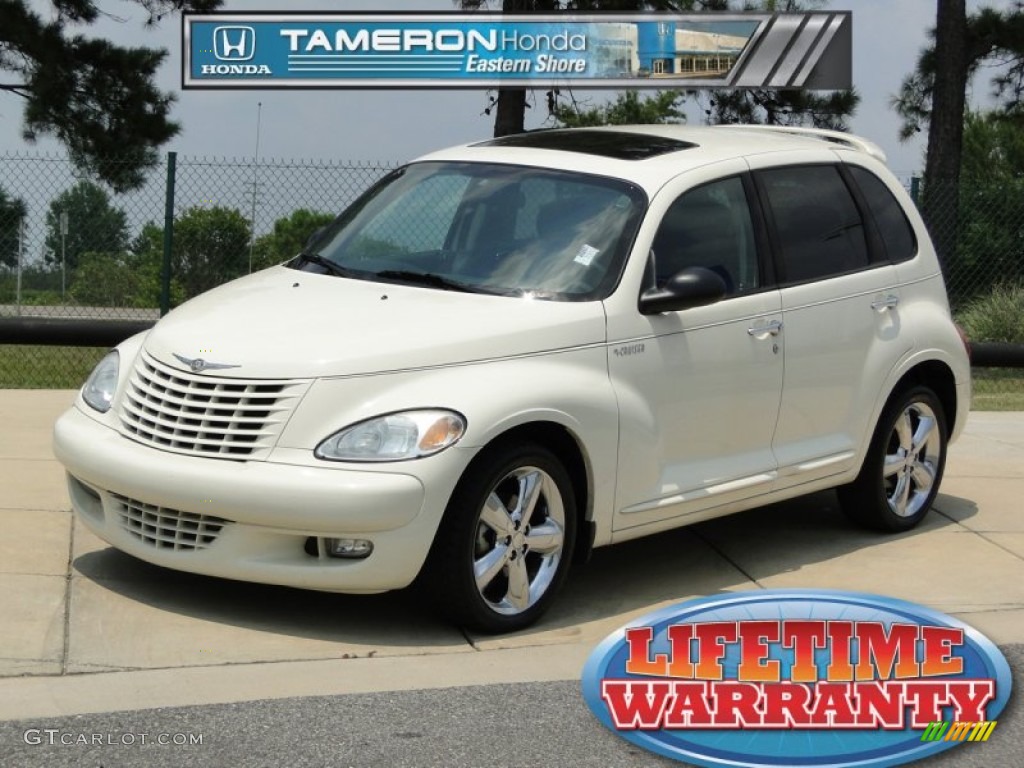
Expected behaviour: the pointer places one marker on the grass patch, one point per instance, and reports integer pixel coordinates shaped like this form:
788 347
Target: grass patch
997 389
42 367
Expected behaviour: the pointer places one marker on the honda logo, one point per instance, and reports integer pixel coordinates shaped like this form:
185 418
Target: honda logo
234 43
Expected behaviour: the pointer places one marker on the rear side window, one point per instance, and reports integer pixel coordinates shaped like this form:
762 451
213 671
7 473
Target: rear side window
896 232
819 227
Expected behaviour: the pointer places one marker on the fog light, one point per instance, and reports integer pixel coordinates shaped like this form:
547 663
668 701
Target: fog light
353 549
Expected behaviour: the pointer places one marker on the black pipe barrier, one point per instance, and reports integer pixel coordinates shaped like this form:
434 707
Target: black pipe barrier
70 333
991 354
110 333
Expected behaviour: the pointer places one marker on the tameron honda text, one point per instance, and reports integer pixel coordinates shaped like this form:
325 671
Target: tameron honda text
797 677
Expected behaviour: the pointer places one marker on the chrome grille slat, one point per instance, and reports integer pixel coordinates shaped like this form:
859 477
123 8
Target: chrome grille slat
201 415
190 401
165 528
204 426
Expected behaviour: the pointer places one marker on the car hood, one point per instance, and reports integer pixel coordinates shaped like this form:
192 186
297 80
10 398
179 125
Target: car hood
282 323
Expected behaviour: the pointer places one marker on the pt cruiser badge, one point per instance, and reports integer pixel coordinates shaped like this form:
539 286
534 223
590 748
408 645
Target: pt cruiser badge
198 365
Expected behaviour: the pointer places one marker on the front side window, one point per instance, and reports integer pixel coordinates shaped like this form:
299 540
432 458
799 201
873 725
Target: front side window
709 226
820 231
488 228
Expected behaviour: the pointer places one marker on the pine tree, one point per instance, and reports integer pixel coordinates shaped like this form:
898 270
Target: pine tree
98 99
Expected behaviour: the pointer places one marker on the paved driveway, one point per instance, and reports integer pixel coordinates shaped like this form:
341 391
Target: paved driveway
87 629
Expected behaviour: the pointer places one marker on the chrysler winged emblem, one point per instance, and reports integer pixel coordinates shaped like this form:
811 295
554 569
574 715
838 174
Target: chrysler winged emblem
198 365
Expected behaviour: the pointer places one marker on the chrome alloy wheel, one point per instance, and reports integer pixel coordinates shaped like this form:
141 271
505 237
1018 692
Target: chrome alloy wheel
912 459
519 541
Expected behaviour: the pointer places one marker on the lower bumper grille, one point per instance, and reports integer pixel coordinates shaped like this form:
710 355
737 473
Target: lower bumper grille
165 528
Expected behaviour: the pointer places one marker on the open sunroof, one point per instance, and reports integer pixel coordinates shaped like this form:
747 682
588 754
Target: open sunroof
619 145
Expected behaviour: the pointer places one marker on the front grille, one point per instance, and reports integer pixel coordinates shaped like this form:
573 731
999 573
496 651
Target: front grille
206 415
165 528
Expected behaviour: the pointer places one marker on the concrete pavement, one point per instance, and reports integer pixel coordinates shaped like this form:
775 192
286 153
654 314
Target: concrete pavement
89 630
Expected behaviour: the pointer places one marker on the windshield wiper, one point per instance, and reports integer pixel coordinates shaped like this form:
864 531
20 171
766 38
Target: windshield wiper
320 261
429 279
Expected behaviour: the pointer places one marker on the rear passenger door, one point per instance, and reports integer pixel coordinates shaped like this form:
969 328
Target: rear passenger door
840 314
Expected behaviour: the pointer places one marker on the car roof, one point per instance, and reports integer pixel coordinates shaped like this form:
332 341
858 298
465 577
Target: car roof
648 155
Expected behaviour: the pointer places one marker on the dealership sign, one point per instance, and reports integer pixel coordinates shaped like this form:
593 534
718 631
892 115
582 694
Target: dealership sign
358 50
797 678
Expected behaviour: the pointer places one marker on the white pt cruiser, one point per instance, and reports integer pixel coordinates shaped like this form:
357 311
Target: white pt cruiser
508 353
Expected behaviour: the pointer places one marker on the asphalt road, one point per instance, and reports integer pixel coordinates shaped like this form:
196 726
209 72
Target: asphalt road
538 724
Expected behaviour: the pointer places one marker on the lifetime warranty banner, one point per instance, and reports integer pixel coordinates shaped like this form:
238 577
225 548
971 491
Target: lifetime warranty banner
445 50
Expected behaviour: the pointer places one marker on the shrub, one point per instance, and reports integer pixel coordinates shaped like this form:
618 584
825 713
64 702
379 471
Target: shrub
999 316
104 280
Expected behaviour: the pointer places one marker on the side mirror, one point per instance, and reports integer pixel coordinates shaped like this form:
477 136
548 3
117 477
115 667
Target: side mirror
692 287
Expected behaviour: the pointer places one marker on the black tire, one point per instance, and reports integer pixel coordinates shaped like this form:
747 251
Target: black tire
467 542
898 497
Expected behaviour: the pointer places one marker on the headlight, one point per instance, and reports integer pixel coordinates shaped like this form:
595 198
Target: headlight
101 385
397 436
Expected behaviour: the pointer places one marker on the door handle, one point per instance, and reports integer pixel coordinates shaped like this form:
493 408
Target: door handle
889 302
764 331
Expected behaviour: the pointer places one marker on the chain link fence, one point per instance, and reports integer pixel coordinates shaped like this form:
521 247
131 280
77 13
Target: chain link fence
977 227
69 248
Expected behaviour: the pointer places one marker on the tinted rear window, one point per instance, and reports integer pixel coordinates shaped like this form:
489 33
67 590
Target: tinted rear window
896 232
820 230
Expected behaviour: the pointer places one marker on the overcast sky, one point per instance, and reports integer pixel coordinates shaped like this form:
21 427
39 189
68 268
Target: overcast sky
399 125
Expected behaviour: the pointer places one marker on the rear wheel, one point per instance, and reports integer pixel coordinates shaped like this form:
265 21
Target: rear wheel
903 468
505 545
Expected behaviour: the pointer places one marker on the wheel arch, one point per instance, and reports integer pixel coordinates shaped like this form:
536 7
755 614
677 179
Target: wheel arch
568 448
938 377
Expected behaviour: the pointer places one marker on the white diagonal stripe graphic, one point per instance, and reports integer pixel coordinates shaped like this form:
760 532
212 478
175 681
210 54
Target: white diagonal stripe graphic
818 52
760 65
797 53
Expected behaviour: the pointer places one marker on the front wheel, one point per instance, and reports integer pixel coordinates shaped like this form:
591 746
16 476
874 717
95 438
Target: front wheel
903 468
506 541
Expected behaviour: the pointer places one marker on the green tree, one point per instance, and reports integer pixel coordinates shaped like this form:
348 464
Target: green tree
629 108
990 240
98 99
989 37
104 280
145 258
993 149
211 246
830 110
12 214
94 225
288 237
933 97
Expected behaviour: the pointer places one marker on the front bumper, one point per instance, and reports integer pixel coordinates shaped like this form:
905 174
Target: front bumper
250 521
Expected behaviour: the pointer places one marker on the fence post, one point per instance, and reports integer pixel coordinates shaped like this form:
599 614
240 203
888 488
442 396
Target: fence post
915 190
165 271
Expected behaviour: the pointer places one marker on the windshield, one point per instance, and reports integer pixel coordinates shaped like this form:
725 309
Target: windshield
487 228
